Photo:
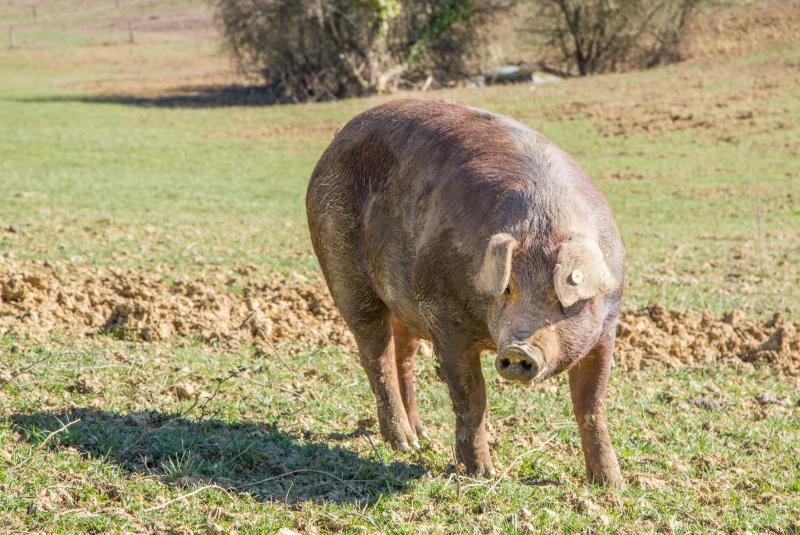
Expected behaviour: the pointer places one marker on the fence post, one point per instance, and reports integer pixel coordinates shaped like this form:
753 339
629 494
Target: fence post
12 42
33 11
130 32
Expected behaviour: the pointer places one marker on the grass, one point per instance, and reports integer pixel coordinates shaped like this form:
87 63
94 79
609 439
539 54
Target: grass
699 162
134 445
709 214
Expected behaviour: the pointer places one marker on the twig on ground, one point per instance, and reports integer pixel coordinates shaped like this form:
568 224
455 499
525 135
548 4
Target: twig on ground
44 442
183 497
220 382
650 433
384 467
457 468
276 353
57 431
76 510
239 456
300 471
16 373
519 458
375 450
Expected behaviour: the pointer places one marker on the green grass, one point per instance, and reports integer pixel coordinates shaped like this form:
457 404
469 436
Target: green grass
133 445
93 435
707 223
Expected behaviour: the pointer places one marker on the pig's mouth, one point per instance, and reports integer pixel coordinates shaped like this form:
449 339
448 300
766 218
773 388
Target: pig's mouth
521 362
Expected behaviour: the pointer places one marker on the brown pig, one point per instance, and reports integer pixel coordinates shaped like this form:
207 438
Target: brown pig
437 221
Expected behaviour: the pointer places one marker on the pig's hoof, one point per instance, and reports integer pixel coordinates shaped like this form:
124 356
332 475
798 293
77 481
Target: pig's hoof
406 445
477 463
420 431
613 480
486 471
400 436
482 471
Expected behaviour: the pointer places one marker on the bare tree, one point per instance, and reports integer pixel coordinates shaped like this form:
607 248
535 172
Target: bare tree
602 35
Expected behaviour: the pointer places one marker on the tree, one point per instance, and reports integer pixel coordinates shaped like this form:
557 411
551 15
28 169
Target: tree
601 35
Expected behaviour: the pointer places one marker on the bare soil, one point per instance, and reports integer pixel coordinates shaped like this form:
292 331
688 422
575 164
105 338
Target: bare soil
684 103
38 299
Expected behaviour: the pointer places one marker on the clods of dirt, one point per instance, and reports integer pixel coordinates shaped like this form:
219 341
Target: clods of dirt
655 336
40 298
704 403
766 398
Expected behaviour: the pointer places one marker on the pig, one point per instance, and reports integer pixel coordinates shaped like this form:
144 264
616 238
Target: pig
436 221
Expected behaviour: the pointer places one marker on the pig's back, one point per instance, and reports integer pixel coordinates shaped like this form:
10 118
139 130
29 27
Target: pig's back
420 162
410 181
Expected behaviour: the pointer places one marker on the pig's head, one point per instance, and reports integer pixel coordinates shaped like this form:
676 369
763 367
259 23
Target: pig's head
546 310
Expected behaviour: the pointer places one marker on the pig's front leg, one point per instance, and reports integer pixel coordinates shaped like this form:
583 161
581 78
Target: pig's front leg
461 370
587 381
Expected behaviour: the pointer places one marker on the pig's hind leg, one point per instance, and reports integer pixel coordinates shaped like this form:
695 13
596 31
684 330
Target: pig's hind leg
371 324
368 318
405 348
377 350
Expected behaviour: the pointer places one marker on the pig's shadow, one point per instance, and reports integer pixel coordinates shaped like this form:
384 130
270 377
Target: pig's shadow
249 458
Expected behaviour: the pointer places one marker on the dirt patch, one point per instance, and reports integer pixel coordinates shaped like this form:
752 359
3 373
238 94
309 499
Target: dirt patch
622 175
746 99
289 132
654 335
667 114
38 299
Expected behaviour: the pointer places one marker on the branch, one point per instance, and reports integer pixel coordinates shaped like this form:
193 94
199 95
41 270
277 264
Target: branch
44 442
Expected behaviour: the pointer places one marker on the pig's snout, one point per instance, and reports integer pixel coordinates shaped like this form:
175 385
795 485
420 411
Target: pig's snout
520 362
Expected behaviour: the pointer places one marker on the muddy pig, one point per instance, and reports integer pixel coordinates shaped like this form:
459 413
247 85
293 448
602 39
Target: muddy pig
437 221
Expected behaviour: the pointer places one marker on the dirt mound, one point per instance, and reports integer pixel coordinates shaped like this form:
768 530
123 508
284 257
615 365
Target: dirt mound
654 335
37 299
41 298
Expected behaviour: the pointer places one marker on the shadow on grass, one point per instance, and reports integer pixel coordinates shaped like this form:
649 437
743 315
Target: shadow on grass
188 97
248 458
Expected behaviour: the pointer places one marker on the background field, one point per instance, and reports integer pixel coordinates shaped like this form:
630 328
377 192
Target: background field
154 157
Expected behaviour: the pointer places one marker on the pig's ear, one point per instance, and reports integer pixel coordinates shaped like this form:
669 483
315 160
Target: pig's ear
581 272
495 272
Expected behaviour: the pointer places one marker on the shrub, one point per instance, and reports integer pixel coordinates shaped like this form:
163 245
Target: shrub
593 36
324 49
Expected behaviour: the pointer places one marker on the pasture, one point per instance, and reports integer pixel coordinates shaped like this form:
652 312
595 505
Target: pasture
170 361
